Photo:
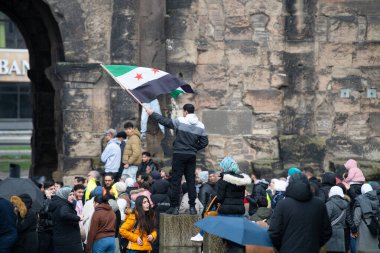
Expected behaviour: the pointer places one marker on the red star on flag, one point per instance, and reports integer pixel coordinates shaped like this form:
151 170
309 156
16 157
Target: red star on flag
138 76
155 70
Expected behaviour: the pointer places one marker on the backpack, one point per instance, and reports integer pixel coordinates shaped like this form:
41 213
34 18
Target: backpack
373 225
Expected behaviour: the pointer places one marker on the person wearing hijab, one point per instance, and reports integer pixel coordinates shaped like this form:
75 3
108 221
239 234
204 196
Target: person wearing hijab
337 209
66 232
231 188
366 207
26 223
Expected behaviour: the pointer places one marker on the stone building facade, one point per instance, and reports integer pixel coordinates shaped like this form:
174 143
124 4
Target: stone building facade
278 83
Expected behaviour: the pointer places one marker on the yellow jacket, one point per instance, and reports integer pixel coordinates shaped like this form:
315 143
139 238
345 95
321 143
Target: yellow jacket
132 152
126 232
91 184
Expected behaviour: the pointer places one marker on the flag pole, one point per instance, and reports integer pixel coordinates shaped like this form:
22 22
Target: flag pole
130 93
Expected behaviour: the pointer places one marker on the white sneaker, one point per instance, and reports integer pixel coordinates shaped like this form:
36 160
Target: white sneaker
197 238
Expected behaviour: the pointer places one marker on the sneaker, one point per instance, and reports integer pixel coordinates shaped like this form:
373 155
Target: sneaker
197 238
173 210
193 211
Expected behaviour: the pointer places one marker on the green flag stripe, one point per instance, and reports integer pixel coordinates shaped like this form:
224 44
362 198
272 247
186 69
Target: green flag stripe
118 70
176 93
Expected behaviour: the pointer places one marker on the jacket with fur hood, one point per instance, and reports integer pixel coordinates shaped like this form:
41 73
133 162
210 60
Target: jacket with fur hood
190 133
132 152
231 191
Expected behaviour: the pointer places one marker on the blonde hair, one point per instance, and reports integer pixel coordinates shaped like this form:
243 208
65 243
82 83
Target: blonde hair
21 207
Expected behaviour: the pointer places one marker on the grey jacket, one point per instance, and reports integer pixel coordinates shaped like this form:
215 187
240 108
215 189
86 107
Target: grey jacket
190 133
337 209
367 205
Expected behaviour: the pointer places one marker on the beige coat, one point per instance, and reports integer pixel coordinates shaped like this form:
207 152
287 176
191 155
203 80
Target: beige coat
132 151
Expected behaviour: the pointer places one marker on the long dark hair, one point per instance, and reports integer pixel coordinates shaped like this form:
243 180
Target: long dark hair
146 219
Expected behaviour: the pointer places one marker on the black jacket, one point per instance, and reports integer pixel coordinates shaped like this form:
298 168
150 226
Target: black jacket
160 195
45 222
26 230
258 190
142 167
328 181
190 133
205 191
300 222
231 191
66 233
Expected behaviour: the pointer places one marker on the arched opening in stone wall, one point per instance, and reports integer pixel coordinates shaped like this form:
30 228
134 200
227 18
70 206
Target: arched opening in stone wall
43 41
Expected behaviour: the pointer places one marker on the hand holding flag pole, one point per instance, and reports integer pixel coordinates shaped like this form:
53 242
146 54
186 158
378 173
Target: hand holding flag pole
122 86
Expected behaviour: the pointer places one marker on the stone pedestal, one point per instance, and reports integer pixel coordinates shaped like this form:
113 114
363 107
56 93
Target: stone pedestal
212 244
175 233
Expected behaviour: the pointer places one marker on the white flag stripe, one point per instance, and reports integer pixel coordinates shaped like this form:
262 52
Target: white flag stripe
130 81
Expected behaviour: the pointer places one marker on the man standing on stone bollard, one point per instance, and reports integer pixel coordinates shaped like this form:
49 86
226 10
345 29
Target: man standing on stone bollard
190 137
111 155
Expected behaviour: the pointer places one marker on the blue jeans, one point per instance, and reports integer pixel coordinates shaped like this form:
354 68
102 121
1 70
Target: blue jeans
104 245
136 251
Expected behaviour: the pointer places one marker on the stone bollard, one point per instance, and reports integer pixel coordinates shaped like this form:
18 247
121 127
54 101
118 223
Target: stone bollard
212 244
175 233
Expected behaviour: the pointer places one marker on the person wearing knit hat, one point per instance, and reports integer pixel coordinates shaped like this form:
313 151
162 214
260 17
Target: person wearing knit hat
228 164
155 175
337 209
365 212
26 233
120 187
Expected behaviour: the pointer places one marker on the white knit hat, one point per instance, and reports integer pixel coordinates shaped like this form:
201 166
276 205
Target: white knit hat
120 187
366 188
336 191
130 182
280 185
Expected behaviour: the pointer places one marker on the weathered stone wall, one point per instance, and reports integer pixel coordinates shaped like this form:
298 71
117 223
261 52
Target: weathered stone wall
278 83
269 77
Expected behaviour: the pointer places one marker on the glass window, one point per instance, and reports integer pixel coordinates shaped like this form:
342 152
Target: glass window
15 101
10 36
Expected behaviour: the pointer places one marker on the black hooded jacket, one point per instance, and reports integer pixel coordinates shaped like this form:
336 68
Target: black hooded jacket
300 222
160 195
259 190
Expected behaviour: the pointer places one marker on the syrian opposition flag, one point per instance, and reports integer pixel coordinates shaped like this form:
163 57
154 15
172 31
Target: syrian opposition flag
147 83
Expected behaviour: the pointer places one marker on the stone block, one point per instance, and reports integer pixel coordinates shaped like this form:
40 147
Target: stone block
176 230
367 54
374 123
78 72
264 101
343 29
261 80
335 54
239 148
351 104
233 8
212 244
211 99
264 147
184 69
75 166
181 51
372 150
271 6
343 146
216 15
265 124
82 144
212 77
178 4
302 149
181 26
238 28
228 122
211 57
77 99
216 147
321 28
357 126
77 120
373 27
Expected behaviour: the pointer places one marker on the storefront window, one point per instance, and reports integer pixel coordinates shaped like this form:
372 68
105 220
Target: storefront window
15 101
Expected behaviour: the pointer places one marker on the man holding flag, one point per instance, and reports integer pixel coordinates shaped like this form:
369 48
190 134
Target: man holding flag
190 137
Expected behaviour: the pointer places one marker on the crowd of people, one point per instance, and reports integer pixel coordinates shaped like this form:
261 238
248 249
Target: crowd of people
118 209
